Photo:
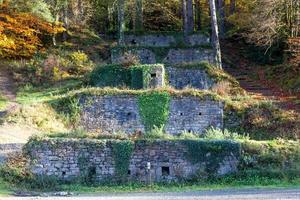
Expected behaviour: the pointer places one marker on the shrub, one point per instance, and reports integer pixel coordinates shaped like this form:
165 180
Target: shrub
51 66
188 135
216 133
3 102
128 60
21 33
156 133
80 63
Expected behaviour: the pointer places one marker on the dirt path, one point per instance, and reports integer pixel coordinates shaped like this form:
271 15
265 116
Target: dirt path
7 86
252 79
247 194
7 89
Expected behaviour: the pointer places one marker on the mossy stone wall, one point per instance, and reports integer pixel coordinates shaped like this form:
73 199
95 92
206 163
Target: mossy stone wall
103 160
142 112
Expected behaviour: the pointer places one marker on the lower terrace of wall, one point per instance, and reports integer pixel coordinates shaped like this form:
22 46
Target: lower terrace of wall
122 113
70 159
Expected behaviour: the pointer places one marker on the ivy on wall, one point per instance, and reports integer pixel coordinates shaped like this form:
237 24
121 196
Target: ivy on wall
212 151
135 77
154 109
110 75
122 151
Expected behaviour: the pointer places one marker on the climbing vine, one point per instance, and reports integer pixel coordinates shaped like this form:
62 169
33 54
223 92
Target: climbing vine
154 109
122 151
135 77
212 151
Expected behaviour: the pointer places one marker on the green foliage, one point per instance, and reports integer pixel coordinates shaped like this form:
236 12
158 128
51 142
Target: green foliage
135 77
277 159
154 109
218 134
157 133
3 102
110 75
38 8
122 151
261 120
212 151
69 109
286 76
51 66
140 76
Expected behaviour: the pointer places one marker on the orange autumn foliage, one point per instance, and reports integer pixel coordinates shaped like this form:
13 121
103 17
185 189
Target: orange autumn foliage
21 33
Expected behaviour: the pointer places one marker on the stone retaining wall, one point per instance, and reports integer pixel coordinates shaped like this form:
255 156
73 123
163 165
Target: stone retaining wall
173 56
180 78
159 40
70 159
120 113
8 149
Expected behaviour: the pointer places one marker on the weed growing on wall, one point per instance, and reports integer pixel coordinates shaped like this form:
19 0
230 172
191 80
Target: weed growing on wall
122 151
154 109
212 151
69 108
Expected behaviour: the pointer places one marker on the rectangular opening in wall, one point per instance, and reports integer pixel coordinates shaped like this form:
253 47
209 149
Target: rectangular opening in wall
153 75
129 172
165 171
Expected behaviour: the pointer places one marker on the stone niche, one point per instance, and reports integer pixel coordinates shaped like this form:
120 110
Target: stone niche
69 159
120 113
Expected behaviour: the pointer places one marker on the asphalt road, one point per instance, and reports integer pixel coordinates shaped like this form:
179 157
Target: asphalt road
258 194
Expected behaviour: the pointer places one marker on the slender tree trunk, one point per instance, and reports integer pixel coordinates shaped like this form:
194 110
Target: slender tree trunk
80 10
185 21
66 22
215 34
232 7
198 15
221 13
54 35
190 16
121 21
138 15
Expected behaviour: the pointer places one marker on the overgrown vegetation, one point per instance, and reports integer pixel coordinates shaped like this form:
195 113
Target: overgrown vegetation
3 102
122 151
114 75
262 120
154 109
21 33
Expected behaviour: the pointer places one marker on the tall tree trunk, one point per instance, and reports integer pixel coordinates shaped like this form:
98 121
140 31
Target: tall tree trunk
80 10
66 22
185 21
54 35
138 15
198 15
215 34
190 16
221 13
232 7
121 21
